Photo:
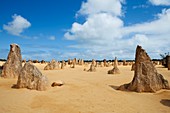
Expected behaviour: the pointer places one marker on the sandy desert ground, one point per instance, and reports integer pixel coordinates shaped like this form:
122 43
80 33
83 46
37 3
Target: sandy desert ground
83 92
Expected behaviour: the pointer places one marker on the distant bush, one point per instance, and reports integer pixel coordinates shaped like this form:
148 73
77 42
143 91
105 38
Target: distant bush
165 59
163 56
2 59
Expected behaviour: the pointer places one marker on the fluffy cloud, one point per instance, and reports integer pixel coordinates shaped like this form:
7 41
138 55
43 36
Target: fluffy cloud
103 34
97 28
153 36
159 26
17 26
138 39
160 2
99 6
102 20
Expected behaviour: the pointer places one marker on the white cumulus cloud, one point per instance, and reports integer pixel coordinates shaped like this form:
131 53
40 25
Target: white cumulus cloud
160 2
99 6
103 34
138 39
97 28
158 26
17 26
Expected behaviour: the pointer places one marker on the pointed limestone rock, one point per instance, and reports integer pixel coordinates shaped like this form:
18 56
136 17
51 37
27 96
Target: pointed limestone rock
62 64
92 66
115 69
13 65
146 78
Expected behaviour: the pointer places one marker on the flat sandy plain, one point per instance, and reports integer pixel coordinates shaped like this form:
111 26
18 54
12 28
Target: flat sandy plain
84 92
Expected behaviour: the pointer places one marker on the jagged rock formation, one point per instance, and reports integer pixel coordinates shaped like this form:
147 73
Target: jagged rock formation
76 61
52 65
124 63
81 62
30 77
109 64
73 65
115 69
146 78
104 62
24 61
63 64
13 65
120 63
101 64
35 61
92 66
96 65
69 62
42 61
30 61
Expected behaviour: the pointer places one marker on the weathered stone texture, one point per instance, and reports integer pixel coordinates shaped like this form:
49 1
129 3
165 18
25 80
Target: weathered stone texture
146 78
13 65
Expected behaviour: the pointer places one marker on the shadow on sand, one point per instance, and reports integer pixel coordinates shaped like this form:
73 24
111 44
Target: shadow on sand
114 87
14 86
165 102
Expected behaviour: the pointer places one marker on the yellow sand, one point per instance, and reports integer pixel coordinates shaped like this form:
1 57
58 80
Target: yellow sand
83 92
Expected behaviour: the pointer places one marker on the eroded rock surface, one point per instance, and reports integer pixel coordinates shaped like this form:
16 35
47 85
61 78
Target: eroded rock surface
92 66
52 65
115 69
146 78
30 77
13 65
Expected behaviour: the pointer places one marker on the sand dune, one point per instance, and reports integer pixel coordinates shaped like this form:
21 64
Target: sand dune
83 92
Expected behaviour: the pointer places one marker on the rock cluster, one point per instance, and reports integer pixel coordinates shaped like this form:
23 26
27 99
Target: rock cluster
28 76
52 65
81 62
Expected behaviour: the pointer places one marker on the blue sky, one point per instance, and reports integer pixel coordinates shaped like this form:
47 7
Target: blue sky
88 29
